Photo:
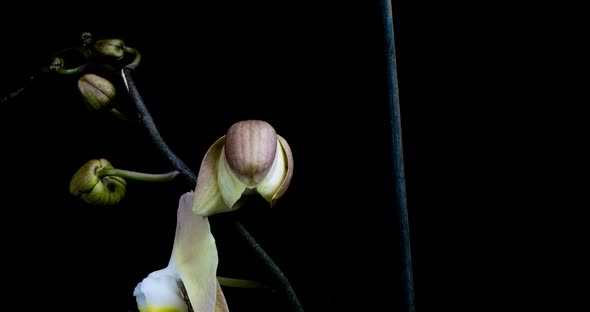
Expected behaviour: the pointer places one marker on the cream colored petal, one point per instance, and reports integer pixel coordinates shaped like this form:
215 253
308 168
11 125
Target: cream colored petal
230 186
207 199
194 256
269 186
289 159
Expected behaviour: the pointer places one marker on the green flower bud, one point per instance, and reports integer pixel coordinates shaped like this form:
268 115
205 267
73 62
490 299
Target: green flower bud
87 184
110 48
97 92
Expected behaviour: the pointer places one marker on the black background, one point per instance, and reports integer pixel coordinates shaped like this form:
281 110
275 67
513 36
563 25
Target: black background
315 71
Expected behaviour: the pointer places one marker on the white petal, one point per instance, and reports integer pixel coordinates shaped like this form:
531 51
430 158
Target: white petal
230 186
160 290
273 180
194 256
207 198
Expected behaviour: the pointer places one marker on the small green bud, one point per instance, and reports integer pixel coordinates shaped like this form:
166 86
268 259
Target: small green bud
97 92
110 48
58 65
87 184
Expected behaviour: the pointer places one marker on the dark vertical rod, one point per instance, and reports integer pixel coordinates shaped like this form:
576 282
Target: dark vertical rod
397 157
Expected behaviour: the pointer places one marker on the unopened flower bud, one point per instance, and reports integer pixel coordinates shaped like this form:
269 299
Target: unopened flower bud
250 149
251 158
97 92
110 48
87 184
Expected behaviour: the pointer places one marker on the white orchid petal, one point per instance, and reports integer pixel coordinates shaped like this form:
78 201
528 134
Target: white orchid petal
194 256
160 291
207 198
268 187
230 186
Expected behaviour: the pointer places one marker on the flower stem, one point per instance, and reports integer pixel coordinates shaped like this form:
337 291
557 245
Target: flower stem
397 156
240 283
191 180
118 114
71 71
279 276
151 128
18 91
140 176
136 60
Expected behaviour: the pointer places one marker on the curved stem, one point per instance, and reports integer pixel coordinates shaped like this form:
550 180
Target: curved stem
150 126
240 283
18 91
58 62
279 276
118 114
56 67
136 60
70 71
140 176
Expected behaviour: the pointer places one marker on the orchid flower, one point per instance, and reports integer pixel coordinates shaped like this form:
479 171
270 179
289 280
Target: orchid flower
189 282
251 158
